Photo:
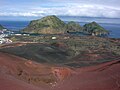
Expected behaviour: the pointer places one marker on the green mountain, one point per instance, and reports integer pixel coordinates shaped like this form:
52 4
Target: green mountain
94 29
46 25
53 25
73 27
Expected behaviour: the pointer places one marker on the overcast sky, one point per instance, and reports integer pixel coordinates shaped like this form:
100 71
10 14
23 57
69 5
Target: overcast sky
39 8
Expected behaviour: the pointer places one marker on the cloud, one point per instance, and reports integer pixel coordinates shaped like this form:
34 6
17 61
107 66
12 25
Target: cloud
69 9
93 10
18 14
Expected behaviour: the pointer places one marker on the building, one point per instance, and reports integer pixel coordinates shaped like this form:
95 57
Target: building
5 41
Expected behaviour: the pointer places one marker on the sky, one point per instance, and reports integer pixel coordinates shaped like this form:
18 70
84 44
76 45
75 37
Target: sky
30 9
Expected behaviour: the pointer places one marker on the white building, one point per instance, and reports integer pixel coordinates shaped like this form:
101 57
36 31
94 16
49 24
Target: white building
53 38
5 40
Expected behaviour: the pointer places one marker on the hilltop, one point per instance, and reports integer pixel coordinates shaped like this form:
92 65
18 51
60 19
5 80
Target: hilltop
73 27
46 25
53 25
94 29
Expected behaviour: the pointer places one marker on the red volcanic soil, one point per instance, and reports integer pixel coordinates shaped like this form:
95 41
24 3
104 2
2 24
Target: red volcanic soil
19 74
10 83
102 77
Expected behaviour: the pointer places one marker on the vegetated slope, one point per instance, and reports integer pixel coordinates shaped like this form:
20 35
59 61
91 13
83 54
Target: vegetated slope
73 51
73 27
39 52
53 25
46 25
94 29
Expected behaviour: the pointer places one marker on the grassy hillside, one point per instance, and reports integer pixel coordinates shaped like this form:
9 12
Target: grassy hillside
46 25
73 27
67 50
94 29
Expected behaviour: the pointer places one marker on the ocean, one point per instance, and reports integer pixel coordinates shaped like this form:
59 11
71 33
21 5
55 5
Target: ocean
111 24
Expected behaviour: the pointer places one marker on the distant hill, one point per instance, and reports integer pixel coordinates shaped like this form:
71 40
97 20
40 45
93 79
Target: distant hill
73 27
1 27
53 25
46 25
94 29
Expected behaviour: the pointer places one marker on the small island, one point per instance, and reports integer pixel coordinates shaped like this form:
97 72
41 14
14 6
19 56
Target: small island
53 25
95 29
46 25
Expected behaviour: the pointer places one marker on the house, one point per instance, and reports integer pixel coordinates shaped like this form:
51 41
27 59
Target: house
53 38
5 41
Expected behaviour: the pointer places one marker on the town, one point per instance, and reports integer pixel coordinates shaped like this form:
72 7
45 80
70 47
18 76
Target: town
4 33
